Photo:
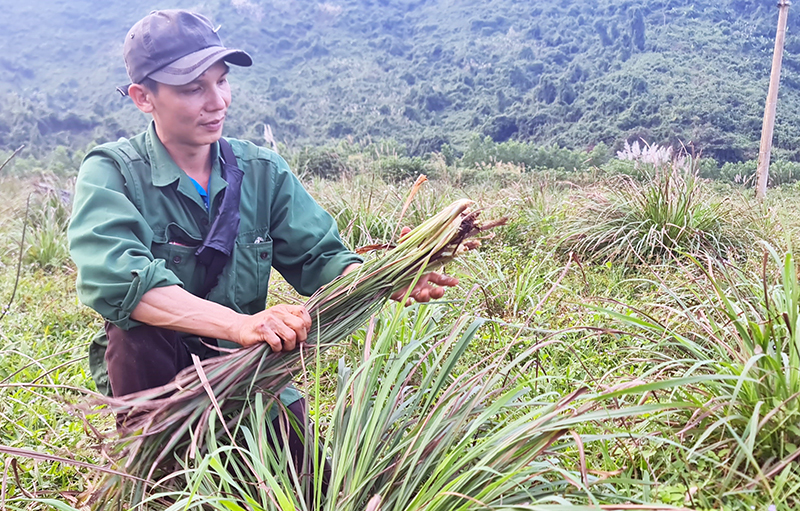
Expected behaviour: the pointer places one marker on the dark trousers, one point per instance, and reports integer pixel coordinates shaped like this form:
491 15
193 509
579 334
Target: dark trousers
145 357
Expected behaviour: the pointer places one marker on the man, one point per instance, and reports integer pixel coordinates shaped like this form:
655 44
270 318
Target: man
174 231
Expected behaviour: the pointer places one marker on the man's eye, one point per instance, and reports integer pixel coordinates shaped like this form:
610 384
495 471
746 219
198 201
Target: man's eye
224 80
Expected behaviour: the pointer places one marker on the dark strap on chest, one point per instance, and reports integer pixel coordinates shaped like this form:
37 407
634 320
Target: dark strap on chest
218 244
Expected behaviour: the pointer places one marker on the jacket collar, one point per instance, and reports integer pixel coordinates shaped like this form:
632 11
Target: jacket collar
164 169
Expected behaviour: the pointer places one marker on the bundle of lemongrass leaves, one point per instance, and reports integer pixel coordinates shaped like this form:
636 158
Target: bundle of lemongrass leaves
172 420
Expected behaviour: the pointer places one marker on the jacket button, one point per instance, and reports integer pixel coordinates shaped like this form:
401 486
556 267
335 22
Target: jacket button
264 255
176 259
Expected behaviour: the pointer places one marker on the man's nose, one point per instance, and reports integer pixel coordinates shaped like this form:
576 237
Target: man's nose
216 101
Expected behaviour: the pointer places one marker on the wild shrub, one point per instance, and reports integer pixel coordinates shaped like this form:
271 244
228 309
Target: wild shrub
367 209
42 219
489 177
364 207
360 225
322 162
508 288
740 172
781 172
534 208
668 212
483 151
395 168
618 167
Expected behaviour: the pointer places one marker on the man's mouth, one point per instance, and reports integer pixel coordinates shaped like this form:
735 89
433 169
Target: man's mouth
213 125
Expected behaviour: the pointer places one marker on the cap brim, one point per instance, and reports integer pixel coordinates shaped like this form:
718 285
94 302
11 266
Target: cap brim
188 68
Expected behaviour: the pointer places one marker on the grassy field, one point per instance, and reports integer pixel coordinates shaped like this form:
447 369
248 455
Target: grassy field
651 322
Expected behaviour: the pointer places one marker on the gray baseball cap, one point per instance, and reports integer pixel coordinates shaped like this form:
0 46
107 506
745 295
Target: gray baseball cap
174 47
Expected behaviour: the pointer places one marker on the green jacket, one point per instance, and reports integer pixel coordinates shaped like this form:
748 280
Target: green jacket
137 220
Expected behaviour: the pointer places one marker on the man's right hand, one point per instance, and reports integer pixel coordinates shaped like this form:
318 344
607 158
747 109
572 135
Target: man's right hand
172 307
283 327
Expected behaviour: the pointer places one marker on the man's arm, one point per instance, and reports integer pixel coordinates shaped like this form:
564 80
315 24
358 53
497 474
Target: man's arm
172 307
283 326
109 240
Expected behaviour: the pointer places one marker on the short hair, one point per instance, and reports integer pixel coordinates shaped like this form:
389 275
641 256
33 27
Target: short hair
149 84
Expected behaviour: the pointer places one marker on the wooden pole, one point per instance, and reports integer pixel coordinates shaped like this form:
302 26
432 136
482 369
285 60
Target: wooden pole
772 102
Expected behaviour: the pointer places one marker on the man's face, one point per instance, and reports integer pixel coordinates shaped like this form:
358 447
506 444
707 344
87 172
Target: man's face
193 114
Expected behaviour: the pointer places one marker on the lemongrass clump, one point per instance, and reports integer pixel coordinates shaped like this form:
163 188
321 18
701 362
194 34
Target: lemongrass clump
174 418
412 428
668 212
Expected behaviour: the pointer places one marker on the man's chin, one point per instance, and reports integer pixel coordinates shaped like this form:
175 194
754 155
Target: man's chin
210 137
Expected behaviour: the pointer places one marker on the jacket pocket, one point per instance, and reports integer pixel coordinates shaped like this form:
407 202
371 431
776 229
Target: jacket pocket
176 247
252 263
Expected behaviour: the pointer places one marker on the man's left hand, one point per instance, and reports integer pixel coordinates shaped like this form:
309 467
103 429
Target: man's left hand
429 287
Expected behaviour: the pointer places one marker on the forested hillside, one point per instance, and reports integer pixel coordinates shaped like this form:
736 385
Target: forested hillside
426 72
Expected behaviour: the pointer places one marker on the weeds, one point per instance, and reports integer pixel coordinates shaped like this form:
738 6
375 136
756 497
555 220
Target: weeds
734 341
48 239
509 288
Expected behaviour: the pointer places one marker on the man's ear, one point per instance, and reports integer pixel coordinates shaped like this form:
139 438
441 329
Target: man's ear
142 97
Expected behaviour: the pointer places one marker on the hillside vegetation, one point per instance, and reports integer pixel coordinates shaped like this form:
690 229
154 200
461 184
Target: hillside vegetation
426 72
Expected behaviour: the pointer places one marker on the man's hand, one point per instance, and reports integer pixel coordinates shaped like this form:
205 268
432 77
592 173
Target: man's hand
283 327
430 286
